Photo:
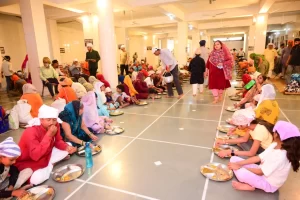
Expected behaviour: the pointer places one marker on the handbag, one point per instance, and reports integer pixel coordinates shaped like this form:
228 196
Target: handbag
168 77
4 125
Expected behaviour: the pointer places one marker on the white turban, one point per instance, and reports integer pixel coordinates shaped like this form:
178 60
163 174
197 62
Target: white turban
122 46
154 49
243 117
108 90
89 45
9 148
45 112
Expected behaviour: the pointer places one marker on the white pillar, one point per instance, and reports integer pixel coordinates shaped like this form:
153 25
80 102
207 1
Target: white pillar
91 31
53 39
122 38
149 55
108 42
182 31
251 40
36 38
260 33
195 42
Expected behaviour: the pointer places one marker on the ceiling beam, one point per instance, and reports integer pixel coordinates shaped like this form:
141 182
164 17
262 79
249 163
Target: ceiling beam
13 9
174 10
265 5
147 22
8 2
138 3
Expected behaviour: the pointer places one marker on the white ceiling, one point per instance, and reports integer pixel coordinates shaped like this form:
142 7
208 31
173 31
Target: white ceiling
150 15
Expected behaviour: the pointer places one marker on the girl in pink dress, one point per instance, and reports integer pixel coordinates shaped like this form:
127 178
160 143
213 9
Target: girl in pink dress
219 69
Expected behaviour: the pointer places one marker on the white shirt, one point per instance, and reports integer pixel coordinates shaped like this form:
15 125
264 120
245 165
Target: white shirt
275 165
148 81
6 68
241 53
59 72
204 53
167 59
133 76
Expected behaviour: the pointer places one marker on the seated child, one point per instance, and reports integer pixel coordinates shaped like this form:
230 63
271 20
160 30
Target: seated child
275 162
109 100
121 97
11 179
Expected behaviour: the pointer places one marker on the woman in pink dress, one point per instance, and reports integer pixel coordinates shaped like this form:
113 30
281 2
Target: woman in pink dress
219 69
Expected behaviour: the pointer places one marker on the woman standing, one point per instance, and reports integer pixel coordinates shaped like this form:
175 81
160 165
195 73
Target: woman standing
197 69
219 67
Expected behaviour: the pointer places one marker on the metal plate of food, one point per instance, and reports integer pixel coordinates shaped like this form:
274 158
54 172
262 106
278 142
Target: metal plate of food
216 172
116 112
231 109
164 93
68 173
81 151
115 130
229 121
224 128
227 137
235 98
157 97
42 192
142 103
159 93
216 150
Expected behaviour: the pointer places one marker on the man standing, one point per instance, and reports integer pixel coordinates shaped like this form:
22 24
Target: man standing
124 59
169 64
203 50
285 56
293 62
6 70
92 57
270 55
241 53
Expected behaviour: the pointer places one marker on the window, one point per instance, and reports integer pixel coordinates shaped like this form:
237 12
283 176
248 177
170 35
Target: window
170 45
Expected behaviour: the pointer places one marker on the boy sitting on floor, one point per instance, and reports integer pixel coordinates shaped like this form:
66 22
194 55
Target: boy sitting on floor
10 177
121 97
42 145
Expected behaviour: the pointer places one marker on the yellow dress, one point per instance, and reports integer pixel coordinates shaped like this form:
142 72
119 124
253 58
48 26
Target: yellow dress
268 110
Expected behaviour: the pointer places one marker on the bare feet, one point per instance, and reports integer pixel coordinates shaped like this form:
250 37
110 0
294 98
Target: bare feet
220 98
180 96
215 101
194 95
242 186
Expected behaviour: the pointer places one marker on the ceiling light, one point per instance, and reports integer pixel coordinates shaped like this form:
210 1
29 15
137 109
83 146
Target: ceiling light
201 33
171 16
85 19
190 27
101 3
95 19
261 19
145 37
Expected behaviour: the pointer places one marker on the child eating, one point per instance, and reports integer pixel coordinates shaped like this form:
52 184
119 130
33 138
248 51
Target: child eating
121 97
10 177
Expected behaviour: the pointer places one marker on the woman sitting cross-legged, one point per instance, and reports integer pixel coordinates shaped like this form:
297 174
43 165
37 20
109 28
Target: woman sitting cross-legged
276 161
99 89
73 127
141 87
267 108
130 90
259 131
90 114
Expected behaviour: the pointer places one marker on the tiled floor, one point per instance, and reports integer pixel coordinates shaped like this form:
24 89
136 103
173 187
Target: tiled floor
179 134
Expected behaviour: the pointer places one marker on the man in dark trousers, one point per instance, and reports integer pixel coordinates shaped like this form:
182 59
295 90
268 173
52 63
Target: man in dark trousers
92 57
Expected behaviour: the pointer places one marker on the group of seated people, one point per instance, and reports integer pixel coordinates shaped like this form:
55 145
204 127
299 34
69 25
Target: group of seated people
273 144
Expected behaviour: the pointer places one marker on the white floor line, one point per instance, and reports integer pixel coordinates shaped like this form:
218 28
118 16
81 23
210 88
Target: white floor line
284 115
110 160
288 99
204 104
140 114
290 110
212 154
207 120
166 142
118 190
